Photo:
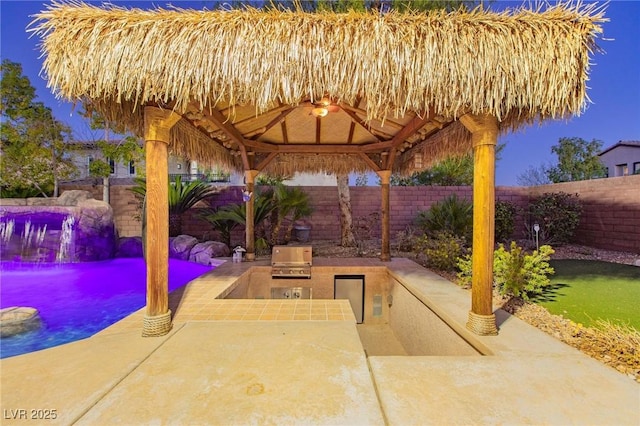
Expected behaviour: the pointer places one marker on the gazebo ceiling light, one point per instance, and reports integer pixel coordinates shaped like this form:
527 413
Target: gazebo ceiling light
323 107
320 112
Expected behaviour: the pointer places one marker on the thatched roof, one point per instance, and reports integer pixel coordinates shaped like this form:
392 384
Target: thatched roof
246 81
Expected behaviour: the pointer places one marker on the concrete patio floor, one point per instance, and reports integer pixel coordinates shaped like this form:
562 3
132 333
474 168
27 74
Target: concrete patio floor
303 371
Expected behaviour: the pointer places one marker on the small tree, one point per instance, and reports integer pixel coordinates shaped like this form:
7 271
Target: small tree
577 160
293 204
534 176
34 144
347 239
452 171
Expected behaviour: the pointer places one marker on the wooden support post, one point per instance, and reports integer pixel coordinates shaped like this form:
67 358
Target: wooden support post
484 129
250 233
157 127
385 253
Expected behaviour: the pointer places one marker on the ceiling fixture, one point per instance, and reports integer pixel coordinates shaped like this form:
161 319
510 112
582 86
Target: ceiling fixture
319 112
323 107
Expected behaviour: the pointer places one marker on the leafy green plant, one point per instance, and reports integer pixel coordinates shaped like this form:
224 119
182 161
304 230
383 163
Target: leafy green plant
504 220
300 207
558 215
269 180
226 218
182 196
35 145
289 202
16 191
221 222
515 272
443 250
261 246
406 240
452 214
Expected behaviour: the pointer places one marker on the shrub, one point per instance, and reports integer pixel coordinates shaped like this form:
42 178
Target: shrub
452 214
365 227
558 215
442 250
515 272
504 220
406 240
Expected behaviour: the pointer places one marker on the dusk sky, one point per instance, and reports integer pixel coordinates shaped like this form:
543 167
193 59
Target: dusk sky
614 86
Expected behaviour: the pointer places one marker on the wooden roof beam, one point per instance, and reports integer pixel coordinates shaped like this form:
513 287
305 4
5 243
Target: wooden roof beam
266 161
410 129
369 162
223 124
361 111
252 117
318 130
362 123
259 132
303 148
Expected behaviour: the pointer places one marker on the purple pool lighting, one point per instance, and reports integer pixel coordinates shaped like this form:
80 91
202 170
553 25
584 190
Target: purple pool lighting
76 300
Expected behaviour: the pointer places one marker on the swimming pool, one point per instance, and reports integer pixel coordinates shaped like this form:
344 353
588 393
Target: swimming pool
76 300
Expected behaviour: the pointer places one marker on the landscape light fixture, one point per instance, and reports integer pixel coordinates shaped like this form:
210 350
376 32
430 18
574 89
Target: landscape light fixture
536 228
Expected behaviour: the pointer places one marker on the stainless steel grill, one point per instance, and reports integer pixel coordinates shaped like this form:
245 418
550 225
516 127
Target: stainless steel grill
291 262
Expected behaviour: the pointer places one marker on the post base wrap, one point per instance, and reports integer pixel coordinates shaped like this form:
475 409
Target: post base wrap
482 325
158 325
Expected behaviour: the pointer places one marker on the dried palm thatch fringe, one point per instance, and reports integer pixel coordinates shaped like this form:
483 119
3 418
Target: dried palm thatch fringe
188 142
288 164
521 66
452 141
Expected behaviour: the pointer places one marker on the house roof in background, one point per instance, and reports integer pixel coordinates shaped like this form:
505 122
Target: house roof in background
632 144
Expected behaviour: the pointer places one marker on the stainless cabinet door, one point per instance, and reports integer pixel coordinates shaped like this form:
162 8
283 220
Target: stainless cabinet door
351 288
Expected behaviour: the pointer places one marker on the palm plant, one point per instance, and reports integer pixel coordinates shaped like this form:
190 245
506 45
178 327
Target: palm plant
289 202
299 207
226 218
182 196
452 214
222 222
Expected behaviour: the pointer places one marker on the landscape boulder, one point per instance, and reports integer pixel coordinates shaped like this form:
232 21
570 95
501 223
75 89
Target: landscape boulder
129 247
180 247
18 319
73 197
95 232
205 253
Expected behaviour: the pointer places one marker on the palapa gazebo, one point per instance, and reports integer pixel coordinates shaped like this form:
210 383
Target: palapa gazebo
286 91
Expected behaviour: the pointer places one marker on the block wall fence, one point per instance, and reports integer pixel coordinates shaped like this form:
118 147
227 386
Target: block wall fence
611 211
610 219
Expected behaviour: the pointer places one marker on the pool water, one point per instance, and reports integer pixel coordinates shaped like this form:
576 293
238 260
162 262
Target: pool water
77 300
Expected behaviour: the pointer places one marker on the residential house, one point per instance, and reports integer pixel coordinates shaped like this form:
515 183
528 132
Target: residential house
83 153
622 158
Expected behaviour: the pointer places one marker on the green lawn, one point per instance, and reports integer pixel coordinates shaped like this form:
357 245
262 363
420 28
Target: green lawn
587 290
